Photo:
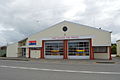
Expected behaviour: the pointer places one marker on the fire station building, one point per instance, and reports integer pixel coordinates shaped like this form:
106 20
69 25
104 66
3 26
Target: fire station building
65 40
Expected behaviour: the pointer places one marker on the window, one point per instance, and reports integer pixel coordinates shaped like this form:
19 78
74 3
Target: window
35 48
54 48
65 28
100 49
78 48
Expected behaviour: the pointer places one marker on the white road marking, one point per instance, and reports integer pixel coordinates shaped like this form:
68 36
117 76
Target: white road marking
57 70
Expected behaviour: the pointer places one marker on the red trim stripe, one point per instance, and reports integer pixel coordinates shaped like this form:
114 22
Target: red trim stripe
91 51
42 50
65 56
110 57
32 41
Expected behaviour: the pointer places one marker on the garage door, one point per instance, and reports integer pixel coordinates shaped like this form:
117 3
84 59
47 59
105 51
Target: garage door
54 49
78 49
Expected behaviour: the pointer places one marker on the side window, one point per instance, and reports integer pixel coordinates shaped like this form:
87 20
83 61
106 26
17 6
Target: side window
100 49
35 48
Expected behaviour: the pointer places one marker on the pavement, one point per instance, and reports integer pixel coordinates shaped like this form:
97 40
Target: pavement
47 69
14 58
74 61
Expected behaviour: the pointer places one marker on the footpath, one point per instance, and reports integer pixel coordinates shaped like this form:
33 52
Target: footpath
115 60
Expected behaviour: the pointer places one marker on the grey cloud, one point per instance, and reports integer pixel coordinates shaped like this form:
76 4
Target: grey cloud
27 17
104 14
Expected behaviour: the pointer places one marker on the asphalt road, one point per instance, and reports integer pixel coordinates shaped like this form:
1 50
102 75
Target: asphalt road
36 70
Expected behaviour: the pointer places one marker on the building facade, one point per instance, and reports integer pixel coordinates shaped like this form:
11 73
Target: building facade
118 47
66 40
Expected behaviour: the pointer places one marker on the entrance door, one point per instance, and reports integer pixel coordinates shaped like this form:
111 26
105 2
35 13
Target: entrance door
78 49
54 49
23 52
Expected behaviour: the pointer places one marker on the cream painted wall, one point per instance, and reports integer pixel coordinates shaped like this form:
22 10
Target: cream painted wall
27 52
12 50
118 47
35 53
99 37
102 55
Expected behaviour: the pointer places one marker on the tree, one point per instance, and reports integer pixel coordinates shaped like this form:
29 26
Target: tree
113 47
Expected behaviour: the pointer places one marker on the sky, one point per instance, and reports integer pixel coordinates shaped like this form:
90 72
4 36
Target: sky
22 18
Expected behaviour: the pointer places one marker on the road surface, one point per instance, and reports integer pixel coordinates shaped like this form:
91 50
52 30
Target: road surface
55 70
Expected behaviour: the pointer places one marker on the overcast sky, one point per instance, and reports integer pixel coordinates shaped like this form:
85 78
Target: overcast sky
21 18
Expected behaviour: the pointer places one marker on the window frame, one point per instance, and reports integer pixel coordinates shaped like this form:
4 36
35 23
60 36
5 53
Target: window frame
35 48
106 51
54 45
